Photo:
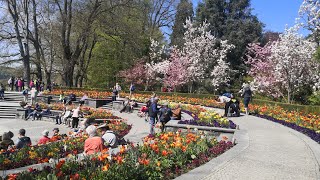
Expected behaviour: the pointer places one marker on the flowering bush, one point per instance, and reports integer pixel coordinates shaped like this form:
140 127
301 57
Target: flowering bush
309 121
79 93
165 156
88 111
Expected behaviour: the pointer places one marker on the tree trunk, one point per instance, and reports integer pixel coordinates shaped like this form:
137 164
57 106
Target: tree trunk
48 78
36 42
39 71
76 80
69 76
289 97
81 81
23 47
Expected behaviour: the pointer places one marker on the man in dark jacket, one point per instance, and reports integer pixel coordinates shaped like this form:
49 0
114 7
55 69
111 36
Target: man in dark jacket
23 140
36 112
153 113
165 115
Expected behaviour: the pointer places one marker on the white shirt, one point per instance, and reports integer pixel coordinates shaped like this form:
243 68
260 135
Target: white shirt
76 112
33 92
118 87
110 138
224 99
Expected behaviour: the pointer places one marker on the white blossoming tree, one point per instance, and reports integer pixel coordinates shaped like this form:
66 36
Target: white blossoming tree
285 66
310 15
200 54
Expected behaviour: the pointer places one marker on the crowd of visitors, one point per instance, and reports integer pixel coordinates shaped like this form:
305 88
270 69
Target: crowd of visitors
19 84
152 112
99 138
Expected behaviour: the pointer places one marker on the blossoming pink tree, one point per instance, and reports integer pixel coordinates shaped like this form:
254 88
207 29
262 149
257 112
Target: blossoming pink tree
135 74
177 72
284 67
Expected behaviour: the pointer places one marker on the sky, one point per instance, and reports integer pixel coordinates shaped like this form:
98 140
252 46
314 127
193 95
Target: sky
275 14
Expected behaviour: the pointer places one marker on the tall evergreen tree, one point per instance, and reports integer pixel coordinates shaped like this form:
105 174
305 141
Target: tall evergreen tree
184 11
232 20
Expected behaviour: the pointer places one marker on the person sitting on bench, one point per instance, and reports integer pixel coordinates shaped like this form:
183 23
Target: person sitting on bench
126 105
36 112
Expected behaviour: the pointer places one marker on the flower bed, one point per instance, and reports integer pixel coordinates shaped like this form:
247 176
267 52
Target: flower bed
311 133
15 158
208 118
89 111
79 93
308 121
164 157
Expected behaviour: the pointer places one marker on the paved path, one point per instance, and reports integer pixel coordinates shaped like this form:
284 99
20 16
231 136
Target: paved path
270 151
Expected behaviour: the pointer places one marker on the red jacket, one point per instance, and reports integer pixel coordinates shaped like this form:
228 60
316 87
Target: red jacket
44 140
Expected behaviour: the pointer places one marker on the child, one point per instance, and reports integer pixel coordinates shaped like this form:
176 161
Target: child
143 111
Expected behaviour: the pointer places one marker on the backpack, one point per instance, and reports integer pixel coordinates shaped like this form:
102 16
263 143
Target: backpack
25 92
132 88
227 95
166 116
72 97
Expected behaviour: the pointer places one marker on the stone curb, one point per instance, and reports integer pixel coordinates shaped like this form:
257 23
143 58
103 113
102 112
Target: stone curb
241 138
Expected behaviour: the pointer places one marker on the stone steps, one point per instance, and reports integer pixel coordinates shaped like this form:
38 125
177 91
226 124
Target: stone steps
8 106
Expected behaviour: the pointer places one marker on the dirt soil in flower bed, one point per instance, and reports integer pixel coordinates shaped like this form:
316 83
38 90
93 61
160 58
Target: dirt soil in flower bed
165 156
311 133
26 156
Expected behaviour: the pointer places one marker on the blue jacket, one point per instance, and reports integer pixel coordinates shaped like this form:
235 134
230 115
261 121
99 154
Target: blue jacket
153 111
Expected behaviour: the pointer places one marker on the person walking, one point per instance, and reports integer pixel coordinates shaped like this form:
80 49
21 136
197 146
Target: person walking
10 83
246 94
23 84
25 94
31 84
75 117
115 92
16 84
118 87
153 113
131 89
2 91
20 84
33 95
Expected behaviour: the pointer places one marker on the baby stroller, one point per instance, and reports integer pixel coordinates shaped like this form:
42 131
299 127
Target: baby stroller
234 108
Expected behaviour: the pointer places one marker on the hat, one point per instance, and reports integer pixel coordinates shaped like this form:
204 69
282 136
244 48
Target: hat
156 98
45 132
55 129
102 126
